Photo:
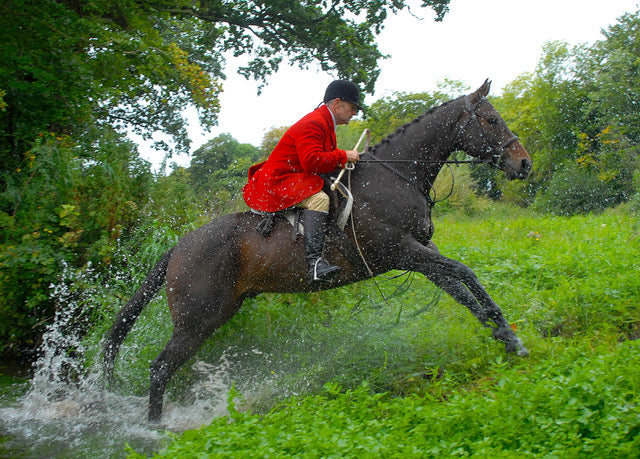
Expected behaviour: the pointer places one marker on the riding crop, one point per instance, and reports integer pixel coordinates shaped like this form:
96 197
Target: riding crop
351 166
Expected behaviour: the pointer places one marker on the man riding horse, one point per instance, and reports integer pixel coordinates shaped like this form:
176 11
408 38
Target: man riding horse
212 270
290 176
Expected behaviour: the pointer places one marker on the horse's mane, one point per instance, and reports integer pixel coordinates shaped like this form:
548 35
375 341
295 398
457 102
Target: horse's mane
403 128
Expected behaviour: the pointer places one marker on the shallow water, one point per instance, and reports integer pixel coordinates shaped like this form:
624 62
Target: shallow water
60 408
45 418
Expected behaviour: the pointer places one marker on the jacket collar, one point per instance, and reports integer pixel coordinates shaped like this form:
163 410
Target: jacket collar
333 118
330 119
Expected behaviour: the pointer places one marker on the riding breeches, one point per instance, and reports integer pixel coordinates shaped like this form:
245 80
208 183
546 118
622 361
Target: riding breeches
318 202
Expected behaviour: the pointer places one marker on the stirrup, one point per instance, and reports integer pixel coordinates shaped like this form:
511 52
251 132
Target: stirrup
325 272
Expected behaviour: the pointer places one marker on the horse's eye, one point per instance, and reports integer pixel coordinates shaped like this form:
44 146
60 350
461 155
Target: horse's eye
492 120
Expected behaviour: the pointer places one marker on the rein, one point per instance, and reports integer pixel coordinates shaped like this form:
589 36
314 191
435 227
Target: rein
384 164
423 161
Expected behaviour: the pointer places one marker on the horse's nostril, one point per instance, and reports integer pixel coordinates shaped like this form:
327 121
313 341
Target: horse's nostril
525 167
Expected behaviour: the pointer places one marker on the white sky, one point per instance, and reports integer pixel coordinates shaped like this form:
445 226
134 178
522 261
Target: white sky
478 39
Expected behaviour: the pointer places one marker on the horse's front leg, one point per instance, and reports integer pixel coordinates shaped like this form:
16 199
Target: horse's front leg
459 281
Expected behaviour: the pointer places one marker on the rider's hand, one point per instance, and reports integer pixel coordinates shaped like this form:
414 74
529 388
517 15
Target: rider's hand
352 156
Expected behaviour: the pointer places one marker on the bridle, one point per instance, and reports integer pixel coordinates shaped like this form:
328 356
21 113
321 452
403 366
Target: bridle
494 159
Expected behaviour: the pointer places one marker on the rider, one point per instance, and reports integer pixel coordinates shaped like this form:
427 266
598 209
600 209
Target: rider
289 176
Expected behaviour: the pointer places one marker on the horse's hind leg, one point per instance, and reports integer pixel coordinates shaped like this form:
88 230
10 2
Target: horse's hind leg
184 343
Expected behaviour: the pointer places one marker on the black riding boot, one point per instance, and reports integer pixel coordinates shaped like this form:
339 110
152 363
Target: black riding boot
315 230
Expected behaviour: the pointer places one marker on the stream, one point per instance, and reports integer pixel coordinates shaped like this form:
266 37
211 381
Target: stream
44 416
59 408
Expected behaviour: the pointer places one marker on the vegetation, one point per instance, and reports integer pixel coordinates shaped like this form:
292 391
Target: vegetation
420 377
408 372
77 76
569 406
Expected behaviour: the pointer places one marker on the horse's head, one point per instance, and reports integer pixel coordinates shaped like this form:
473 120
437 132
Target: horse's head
483 134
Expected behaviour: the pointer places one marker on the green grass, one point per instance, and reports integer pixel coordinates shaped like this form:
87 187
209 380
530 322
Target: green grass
435 382
583 403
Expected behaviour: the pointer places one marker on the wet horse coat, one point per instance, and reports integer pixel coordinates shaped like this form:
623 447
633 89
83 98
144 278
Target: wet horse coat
212 270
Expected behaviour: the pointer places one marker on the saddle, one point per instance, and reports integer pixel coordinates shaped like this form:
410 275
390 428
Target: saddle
339 212
292 214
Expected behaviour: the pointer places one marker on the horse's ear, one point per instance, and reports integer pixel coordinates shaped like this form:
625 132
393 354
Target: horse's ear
481 92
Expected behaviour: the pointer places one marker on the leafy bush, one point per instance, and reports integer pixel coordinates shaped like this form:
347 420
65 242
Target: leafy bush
63 205
575 191
602 176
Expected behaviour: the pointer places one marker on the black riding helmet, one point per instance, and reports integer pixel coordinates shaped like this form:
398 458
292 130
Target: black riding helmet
345 90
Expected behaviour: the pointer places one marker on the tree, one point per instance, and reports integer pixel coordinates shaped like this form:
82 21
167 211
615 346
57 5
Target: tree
76 76
69 64
271 138
545 110
218 154
389 113
576 116
611 72
66 210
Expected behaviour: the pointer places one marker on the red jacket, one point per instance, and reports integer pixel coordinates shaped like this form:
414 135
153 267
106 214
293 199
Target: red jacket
290 174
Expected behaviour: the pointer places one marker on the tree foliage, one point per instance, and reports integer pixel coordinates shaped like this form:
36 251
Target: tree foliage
611 72
271 138
67 64
218 171
77 76
67 208
544 109
577 116
218 154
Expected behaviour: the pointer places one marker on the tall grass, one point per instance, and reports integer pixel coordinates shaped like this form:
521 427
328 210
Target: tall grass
583 403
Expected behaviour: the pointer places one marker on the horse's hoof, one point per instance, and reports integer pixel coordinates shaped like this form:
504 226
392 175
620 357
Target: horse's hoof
516 348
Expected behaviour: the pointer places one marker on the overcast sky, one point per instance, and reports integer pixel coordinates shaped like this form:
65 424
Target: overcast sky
478 39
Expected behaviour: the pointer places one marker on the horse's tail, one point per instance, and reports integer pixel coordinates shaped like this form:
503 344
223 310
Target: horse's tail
129 313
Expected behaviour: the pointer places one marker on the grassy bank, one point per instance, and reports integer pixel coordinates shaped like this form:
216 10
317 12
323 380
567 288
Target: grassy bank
436 383
582 403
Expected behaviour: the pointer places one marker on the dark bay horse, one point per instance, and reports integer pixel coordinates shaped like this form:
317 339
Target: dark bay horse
212 270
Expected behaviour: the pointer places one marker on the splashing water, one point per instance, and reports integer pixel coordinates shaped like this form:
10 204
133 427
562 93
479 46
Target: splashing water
66 411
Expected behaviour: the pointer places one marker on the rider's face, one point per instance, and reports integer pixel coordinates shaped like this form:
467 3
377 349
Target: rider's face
344 111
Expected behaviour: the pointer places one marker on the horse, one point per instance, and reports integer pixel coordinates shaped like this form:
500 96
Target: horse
213 269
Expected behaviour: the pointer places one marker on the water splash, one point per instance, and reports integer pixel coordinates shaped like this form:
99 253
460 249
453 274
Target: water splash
66 410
